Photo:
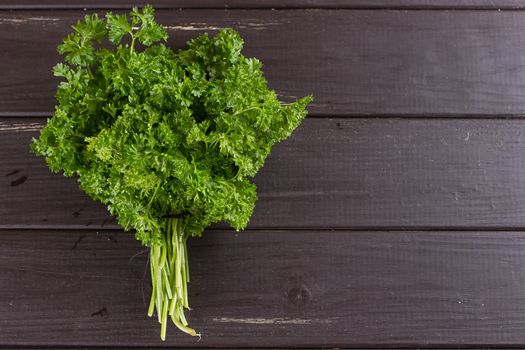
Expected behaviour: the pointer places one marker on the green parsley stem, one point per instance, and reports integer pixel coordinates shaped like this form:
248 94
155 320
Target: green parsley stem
131 47
245 110
169 276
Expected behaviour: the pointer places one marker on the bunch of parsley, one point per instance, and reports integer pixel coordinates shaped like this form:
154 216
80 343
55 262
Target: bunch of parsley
167 140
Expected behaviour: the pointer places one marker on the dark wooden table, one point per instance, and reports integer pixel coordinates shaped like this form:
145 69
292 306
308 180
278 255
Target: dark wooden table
394 216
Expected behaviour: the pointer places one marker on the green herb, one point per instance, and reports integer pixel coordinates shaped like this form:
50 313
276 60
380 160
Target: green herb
167 140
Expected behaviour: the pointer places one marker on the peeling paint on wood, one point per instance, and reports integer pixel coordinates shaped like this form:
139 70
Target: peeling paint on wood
272 320
20 126
196 26
193 26
21 20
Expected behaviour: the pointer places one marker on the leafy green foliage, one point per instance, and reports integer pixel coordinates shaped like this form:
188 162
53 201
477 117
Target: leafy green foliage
167 140
155 134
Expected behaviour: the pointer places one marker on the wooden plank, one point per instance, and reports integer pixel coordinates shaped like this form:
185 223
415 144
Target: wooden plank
270 288
332 173
265 4
381 63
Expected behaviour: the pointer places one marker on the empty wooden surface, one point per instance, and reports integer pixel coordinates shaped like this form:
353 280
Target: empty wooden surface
394 216
379 63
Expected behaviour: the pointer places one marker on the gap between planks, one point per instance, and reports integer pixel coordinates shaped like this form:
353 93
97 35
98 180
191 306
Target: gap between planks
226 228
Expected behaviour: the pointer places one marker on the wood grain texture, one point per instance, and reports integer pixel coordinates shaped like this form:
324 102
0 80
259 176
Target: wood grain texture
332 173
380 63
270 288
265 4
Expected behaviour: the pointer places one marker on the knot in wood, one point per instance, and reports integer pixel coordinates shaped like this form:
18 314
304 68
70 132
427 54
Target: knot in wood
299 296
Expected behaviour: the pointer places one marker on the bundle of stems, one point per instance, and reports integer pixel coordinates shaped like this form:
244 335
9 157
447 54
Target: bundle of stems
170 276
